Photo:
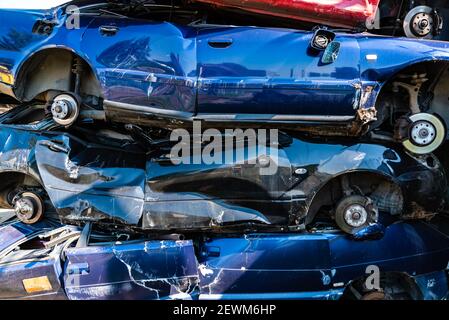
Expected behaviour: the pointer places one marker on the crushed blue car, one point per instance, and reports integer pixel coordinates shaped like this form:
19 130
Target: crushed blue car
150 65
168 150
71 173
48 261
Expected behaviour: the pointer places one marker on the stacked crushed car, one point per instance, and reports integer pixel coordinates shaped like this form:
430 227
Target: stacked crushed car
95 93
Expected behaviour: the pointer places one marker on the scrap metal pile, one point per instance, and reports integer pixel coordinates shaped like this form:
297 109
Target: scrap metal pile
200 149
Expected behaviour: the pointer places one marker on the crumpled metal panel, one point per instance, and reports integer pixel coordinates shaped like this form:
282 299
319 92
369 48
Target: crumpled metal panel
15 271
17 150
207 196
86 184
250 266
13 232
125 187
346 13
141 270
319 266
48 268
92 183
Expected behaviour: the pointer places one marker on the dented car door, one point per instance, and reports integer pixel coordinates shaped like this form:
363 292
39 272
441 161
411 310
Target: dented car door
113 185
145 67
241 185
136 270
272 74
92 182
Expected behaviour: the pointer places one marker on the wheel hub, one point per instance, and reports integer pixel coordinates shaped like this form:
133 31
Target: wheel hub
65 110
420 22
29 207
24 208
60 109
423 133
356 215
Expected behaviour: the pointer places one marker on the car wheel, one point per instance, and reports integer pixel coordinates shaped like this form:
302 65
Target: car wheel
29 207
354 213
426 133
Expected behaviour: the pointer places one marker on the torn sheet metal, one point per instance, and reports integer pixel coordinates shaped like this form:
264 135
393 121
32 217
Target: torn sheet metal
86 183
25 273
47 261
13 232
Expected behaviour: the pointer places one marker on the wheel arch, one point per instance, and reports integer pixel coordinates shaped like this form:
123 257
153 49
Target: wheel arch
425 60
438 79
313 205
56 63
10 179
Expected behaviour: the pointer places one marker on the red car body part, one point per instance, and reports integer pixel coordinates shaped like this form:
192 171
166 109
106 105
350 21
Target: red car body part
342 13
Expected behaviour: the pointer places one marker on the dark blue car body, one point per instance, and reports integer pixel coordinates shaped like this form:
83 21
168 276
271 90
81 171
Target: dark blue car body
145 70
148 192
254 238
319 266
253 266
